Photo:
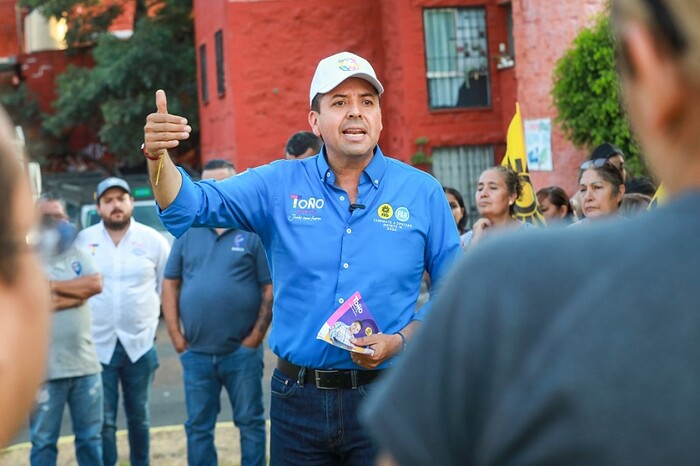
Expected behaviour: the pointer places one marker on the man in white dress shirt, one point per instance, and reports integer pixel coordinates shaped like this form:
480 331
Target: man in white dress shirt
131 257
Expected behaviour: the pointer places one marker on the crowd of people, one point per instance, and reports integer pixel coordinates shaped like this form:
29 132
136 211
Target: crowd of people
498 366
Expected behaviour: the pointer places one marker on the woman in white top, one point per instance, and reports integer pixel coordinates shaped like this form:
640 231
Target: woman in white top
496 192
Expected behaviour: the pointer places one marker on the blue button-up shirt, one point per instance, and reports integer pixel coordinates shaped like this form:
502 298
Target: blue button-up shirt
320 252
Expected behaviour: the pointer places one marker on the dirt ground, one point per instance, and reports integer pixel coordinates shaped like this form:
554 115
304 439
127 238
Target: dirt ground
168 448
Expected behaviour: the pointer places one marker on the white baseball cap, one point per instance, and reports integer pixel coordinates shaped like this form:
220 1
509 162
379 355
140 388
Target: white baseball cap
335 69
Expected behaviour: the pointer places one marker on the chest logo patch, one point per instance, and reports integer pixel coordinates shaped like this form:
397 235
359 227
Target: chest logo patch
393 220
238 242
305 209
402 214
385 211
77 267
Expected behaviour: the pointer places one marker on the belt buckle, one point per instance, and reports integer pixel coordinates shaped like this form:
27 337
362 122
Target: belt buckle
317 378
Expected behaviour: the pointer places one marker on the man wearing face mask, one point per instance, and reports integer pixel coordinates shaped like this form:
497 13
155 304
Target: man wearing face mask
73 375
131 257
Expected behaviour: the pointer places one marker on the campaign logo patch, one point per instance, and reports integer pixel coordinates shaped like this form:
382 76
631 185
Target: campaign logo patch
305 209
77 267
312 203
393 220
385 211
348 64
238 242
402 214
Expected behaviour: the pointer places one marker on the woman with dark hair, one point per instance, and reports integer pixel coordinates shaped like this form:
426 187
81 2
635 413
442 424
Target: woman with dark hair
495 196
601 187
555 206
459 212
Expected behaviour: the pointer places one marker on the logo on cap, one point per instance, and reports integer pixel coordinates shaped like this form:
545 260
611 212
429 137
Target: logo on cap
348 64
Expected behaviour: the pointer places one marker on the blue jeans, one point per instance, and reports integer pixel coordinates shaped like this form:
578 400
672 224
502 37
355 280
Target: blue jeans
84 398
136 379
312 426
240 373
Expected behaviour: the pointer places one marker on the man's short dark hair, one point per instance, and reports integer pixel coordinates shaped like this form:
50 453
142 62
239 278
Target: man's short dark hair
215 164
53 196
642 185
302 141
605 151
316 102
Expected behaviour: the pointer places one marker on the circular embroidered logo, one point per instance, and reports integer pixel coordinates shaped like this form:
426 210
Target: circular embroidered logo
385 211
348 64
402 214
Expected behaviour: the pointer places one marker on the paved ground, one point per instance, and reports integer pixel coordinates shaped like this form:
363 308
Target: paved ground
168 448
168 399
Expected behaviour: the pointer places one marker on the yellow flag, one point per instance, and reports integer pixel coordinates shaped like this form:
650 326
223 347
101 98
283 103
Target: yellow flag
527 209
658 199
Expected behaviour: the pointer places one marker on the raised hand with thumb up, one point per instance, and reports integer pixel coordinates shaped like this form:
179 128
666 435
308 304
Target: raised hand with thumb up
163 131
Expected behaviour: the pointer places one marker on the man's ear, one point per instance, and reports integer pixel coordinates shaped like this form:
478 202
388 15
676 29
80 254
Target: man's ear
313 122
650 65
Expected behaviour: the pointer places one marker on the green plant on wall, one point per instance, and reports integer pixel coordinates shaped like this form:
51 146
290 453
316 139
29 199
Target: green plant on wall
586 94
420 157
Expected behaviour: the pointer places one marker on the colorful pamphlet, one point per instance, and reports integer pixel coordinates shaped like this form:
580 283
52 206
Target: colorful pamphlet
351 320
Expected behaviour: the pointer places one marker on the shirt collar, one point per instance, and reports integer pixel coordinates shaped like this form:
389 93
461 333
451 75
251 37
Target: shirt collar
374 172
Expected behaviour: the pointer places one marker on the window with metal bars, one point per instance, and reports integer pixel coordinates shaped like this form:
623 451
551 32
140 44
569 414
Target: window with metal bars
457 58
459 167
203 72
220 81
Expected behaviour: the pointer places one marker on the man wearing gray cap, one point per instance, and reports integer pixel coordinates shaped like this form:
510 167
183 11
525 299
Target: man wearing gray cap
344 221
131 257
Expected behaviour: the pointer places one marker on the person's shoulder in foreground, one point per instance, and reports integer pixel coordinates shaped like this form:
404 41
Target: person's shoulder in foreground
564 347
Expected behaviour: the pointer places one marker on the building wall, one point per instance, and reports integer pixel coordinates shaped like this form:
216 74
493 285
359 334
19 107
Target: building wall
543 31
9 45
407 114
40 69
217 118
271 50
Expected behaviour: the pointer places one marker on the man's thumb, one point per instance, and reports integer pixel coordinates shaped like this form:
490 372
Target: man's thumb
161 101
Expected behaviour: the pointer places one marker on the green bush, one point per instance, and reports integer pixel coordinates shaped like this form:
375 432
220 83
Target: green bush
586 94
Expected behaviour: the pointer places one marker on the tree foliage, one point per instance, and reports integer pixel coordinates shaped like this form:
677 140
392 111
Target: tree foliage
23 107
114 97
586 94
86 19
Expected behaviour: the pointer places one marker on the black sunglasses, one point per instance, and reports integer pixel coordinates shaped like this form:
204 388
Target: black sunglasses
597 163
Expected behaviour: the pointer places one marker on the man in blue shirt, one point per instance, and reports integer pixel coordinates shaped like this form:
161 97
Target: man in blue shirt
217 284
346 220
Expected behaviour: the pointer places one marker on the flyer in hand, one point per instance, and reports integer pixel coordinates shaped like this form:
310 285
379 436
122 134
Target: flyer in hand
351 320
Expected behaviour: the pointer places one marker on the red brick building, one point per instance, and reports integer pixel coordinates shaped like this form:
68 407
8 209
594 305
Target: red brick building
543 31
440 61
445 65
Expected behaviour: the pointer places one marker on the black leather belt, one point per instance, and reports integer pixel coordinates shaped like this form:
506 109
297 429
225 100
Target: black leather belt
327 379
